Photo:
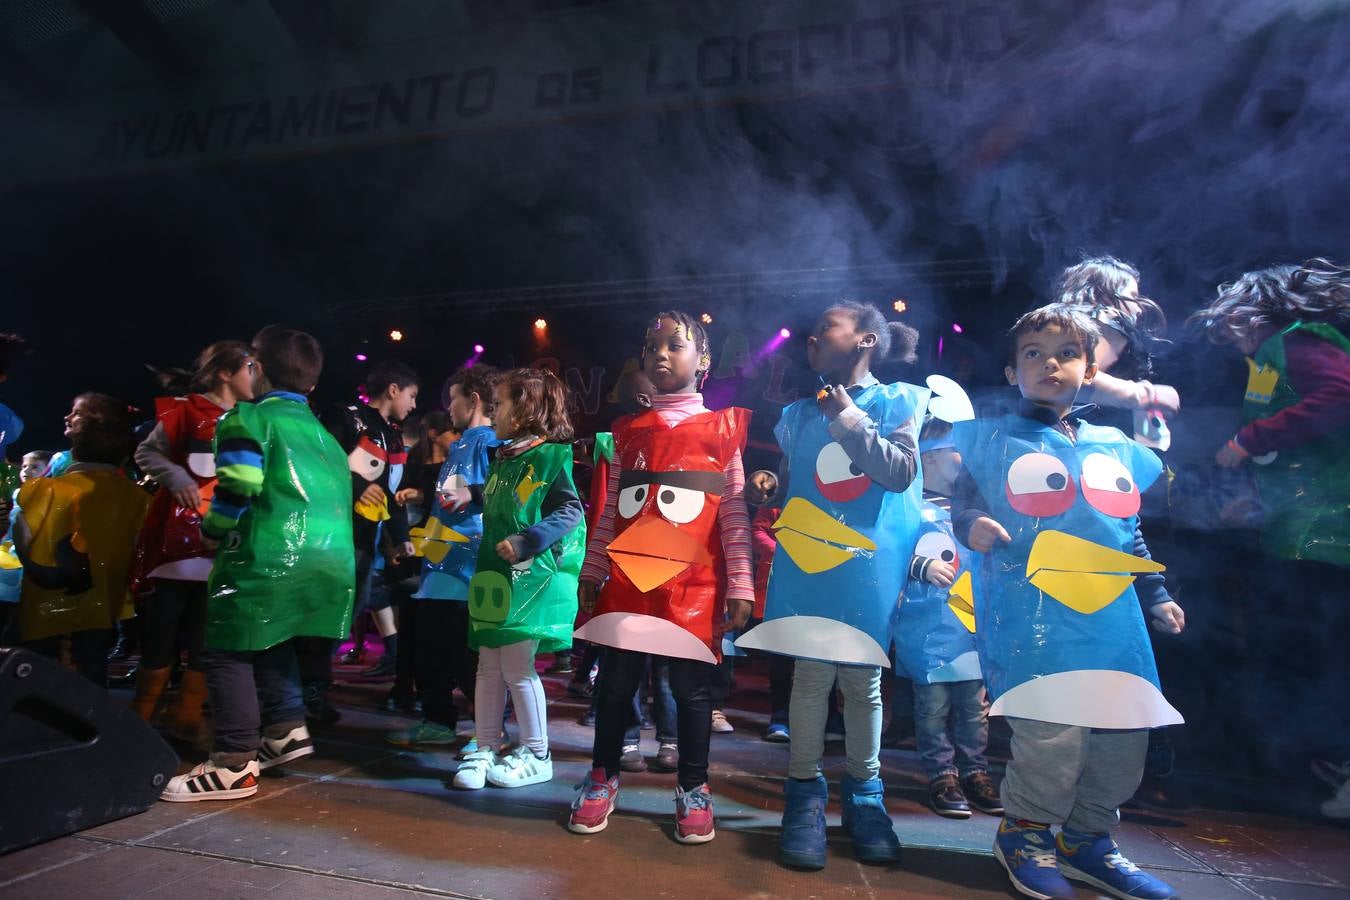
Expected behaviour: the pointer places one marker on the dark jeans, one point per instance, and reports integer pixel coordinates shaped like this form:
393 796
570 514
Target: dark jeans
174 611
621 673
720 686
252 693
780 687
444 660
88 650
405 669
656 687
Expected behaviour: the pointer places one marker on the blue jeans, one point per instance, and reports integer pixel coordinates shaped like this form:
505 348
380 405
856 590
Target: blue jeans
252 693
663 704
964 703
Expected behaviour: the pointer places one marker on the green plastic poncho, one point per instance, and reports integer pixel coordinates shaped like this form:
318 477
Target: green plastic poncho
286 569
1305 490
535 599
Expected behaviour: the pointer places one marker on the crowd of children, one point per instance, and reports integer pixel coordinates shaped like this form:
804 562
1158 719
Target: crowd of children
995 561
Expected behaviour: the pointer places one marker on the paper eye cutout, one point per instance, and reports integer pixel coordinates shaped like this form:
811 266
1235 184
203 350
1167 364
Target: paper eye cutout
936 545
203 464
632 499
838 478
1039 485
1108 486
679 505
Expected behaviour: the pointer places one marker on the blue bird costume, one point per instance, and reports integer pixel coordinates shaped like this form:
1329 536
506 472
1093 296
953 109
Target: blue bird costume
449 542
931 644
1061 635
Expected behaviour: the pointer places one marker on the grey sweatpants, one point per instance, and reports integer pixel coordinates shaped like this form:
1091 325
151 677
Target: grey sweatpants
1072 775
809 708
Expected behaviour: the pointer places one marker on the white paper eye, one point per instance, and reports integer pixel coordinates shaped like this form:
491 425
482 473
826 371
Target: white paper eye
366 464
1039 485
936 545
203 465
1108 486
632 499
838 478
679 505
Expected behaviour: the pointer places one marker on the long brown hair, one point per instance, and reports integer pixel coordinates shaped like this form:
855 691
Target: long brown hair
221 357
540 404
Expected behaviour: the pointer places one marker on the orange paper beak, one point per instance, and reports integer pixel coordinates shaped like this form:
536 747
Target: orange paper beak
652 551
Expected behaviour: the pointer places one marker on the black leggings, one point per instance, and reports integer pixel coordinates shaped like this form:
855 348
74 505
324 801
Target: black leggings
620 674
175 611
443 660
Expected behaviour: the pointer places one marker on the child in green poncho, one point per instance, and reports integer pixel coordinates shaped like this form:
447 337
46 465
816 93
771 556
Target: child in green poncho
281 523
523 597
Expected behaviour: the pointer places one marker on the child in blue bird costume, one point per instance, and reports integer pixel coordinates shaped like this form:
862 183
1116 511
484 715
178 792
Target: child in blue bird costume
845 537
1053 503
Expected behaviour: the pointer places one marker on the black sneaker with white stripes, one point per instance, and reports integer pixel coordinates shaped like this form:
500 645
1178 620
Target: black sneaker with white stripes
293 745
211 782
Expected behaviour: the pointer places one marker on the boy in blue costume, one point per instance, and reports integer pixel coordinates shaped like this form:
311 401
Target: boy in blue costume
935 645
1053 502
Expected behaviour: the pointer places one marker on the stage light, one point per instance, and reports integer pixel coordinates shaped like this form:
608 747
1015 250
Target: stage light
477 348
540 324
395 335
785 333
706 319
361 357
956 326
899 306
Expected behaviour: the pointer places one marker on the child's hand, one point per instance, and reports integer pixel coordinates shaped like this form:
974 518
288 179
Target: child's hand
1165 398
985 533
1231 455
373 494
833 400
587 592
941 573
738 612
408 495
760 486
188 496
1168 618
507 551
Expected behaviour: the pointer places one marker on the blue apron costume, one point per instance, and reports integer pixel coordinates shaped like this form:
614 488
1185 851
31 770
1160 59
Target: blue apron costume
844 542
931 644
449 541
1061 636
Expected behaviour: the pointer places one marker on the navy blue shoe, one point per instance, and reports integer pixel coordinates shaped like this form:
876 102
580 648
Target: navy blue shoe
867 822
1028 853
776 733
801 842
1096 860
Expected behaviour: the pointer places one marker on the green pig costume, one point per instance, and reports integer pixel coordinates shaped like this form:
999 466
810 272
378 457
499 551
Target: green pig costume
282 514
535 599
1305 489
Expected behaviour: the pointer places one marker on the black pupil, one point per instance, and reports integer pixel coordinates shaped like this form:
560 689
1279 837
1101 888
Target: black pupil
640 495
948 556
1123 485
854 470
374 463
667 496
1056 481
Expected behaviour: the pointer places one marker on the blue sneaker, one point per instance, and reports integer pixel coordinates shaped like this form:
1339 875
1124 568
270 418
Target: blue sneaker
1096 860
801 842
776 733
1028 853
867 822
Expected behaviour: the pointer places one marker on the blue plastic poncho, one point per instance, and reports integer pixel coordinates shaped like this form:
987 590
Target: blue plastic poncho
449 541
1060 633
931 644
844 542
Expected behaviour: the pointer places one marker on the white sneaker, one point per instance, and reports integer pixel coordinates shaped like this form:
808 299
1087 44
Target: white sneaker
211 782
521 768
1338 807
472 773
720 725
295 744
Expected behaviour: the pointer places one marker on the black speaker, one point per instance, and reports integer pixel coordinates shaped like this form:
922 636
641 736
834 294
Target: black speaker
70 756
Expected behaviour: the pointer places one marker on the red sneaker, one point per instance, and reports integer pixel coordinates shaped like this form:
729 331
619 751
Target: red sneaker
694 815
596 797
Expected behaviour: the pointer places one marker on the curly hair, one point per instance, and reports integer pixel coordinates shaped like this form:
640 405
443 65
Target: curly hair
477 379
539 401
1318 290
1109 288
894 339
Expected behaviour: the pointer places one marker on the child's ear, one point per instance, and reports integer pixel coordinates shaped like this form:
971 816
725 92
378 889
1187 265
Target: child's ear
1089 373
1011 374
869 340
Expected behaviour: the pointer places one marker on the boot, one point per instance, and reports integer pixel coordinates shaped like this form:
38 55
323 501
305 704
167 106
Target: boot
150 684
184 720
867 822
801 842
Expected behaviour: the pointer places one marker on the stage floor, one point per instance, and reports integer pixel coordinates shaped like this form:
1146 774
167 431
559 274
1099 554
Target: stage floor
364 819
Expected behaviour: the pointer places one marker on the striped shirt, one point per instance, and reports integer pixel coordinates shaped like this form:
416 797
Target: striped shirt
733 518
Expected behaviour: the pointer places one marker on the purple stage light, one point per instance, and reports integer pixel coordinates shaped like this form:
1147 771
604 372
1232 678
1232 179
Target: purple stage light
477 348
785 333
361 357
956 326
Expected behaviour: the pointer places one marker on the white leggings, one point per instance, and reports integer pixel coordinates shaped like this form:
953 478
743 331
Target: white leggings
500 668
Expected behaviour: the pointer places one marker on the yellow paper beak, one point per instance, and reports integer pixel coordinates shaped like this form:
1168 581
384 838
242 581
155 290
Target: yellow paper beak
434 539
961 598
1080 574
373 512
814 540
